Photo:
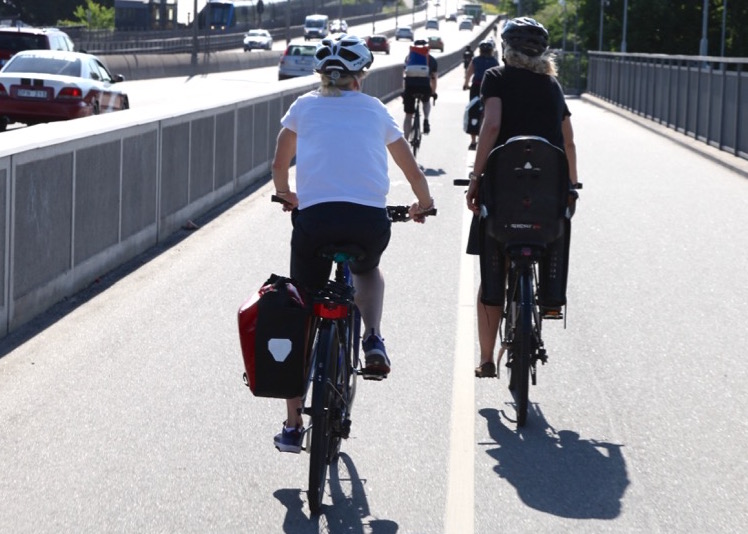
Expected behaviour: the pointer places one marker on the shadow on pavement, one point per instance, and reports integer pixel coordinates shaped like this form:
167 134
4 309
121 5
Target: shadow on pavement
555 471
348 513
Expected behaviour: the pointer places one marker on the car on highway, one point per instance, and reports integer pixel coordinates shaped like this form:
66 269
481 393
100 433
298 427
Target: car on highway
452 17
465 23
260 39
403 32
39 86
338 26
16 39
435 42
432 24
297 60
378 43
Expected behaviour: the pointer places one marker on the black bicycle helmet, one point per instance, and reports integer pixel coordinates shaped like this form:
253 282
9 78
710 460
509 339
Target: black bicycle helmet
526 35
486 46
346 54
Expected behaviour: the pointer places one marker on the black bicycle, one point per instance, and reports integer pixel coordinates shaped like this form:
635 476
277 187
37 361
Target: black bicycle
525 198
335 333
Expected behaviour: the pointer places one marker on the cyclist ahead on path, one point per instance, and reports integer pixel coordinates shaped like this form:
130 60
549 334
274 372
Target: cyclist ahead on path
485 60
419 81
340 138
522 97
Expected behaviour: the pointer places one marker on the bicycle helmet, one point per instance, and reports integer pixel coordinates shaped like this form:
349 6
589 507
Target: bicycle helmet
526 35
346 54
486 46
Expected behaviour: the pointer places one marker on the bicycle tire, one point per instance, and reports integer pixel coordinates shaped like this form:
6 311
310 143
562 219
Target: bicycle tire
323 399
523 343
415 137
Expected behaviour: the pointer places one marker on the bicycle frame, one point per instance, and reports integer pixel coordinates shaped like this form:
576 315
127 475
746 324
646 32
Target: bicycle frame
415 134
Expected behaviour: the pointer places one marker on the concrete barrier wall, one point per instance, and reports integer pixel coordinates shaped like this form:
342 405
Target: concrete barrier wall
98 191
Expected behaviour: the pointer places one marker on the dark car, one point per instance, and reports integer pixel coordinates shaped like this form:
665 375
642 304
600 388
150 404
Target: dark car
51 85
16 39
435 42
378 43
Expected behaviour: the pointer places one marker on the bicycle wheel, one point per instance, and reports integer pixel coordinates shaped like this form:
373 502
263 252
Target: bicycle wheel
510 326
415 136
523 347
323 404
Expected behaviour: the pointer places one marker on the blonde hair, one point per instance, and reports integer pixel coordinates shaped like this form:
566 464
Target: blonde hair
330 86
542 64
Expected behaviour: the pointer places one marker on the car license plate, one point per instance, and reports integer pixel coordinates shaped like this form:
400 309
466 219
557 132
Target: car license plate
32 93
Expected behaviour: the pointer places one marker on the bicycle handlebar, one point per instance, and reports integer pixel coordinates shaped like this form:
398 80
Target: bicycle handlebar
395 213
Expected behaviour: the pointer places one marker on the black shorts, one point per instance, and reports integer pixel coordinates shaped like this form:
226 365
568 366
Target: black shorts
553 271
410 93
330 223
492 263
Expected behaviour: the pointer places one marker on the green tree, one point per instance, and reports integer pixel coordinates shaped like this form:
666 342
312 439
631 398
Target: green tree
47 12
93 15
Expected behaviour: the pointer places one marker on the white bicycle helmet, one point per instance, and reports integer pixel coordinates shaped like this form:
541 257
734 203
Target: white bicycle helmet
346 54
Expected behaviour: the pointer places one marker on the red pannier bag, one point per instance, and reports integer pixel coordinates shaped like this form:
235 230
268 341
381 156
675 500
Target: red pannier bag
273 331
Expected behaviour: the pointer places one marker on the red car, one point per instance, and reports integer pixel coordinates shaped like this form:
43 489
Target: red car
378 43
52 85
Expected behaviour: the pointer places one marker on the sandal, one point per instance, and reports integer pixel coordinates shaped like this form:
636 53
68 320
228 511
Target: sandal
486 370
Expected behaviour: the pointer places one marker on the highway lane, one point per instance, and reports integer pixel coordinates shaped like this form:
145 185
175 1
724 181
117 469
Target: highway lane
148 93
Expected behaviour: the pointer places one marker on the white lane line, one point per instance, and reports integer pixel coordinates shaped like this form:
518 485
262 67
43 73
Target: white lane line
460 512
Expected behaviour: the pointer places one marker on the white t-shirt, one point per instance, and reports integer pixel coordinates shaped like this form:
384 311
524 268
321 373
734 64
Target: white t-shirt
341 148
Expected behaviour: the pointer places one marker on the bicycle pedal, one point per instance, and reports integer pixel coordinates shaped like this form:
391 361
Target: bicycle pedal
372 376
553 316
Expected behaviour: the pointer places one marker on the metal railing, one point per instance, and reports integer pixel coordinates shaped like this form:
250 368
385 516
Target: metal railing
704 97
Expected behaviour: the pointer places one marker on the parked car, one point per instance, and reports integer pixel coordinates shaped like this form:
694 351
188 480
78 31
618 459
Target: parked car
14 40
404 32
52 85
378 43
432 24
297 60
435 42
338 26
465 23
260 39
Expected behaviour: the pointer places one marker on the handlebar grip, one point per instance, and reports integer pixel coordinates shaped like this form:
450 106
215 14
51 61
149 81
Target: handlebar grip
577 185
276 198
461 181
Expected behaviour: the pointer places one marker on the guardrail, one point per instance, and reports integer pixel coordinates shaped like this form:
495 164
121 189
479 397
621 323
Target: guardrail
704 97
80 198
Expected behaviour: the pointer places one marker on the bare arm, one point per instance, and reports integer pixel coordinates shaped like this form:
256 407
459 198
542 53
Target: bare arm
400 151
285 150
570 148
489 132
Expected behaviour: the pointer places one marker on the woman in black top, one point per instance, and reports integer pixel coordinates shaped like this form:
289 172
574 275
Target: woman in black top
522 97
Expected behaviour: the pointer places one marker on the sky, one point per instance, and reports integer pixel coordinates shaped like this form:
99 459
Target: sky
186 6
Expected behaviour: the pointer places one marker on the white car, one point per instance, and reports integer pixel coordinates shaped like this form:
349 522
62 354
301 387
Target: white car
465 23
52 85
432 24
404 32
297 60
338 26
260 39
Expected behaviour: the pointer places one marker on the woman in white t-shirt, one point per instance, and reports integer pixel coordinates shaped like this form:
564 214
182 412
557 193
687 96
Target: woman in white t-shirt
340 138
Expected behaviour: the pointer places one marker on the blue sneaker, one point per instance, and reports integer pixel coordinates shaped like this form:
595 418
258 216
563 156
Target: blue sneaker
289 440
375 356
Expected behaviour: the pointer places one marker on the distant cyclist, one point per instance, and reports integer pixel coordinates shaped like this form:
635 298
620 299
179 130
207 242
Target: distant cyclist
340 138
467 57
419 81
473 78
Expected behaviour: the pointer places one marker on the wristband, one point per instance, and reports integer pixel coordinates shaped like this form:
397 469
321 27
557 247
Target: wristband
473 177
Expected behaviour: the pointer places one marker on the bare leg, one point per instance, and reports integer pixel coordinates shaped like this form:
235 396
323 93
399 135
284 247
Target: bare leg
370 299
489 319
407 126
293 418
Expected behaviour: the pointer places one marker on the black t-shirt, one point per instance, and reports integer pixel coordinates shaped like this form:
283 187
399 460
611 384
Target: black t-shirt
531 104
